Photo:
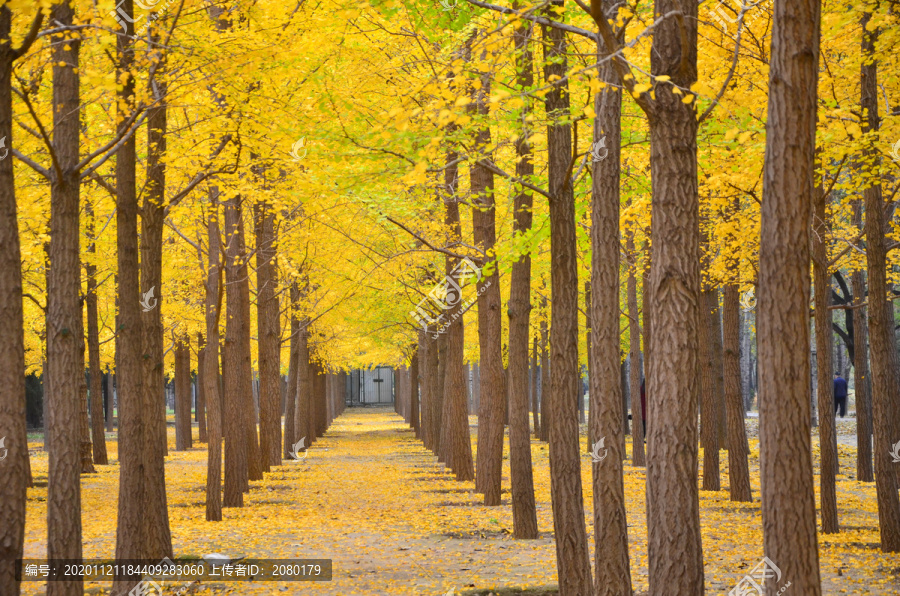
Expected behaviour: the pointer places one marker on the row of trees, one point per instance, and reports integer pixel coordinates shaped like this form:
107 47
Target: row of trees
223 143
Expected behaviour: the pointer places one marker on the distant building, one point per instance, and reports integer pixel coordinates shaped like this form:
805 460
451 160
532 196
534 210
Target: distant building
369 387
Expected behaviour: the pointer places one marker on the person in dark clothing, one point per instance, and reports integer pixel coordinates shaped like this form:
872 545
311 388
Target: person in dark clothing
840 395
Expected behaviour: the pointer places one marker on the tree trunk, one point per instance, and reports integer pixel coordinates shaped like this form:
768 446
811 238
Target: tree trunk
303 409
519 310
269 337
824 339
98 436
211 365
535 389
718 372
425 372
490 327
611 563
414 393
157 535
709 424
634 370
573 562
864 471
16 468
738 450
182 394
290 401
885 378
455 441
255 464
129 377
673 294
236 448
545 376
788 499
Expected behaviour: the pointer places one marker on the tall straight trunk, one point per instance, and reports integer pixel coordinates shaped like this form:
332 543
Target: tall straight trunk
16 468
98 435
255 464
157 535
718 371
182 394
321 418
611 563
709 427
573 561
424 358
414 393
591 437
535 389
436 352
634 371
885 374
864 471
129 378
490 325
862 384
455 441
87 457
269 337
211 385
646 311
302 420
290 401
788 499
236 449
108 392
200 414
519 310
673 295
64 312
824 340
545 377
738 450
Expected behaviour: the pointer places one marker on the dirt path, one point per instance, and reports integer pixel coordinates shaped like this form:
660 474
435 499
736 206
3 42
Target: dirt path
370 497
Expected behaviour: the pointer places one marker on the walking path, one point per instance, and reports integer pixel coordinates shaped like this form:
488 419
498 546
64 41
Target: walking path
370 497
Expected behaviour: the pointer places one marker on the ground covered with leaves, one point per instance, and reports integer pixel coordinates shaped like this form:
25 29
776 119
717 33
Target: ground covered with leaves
372 499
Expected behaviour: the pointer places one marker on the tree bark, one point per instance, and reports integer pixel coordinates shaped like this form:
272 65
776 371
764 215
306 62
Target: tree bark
573 560
709 427
490 326
885 377
824 385
290 401
414 393
519 310
236 444
545 388
269 337
788 499
182 394
13 493
535 389
255 463
738 450
673 295
157 535
98 435
611 563
211 385
634 334
303 409
864 471
455 441
129 381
